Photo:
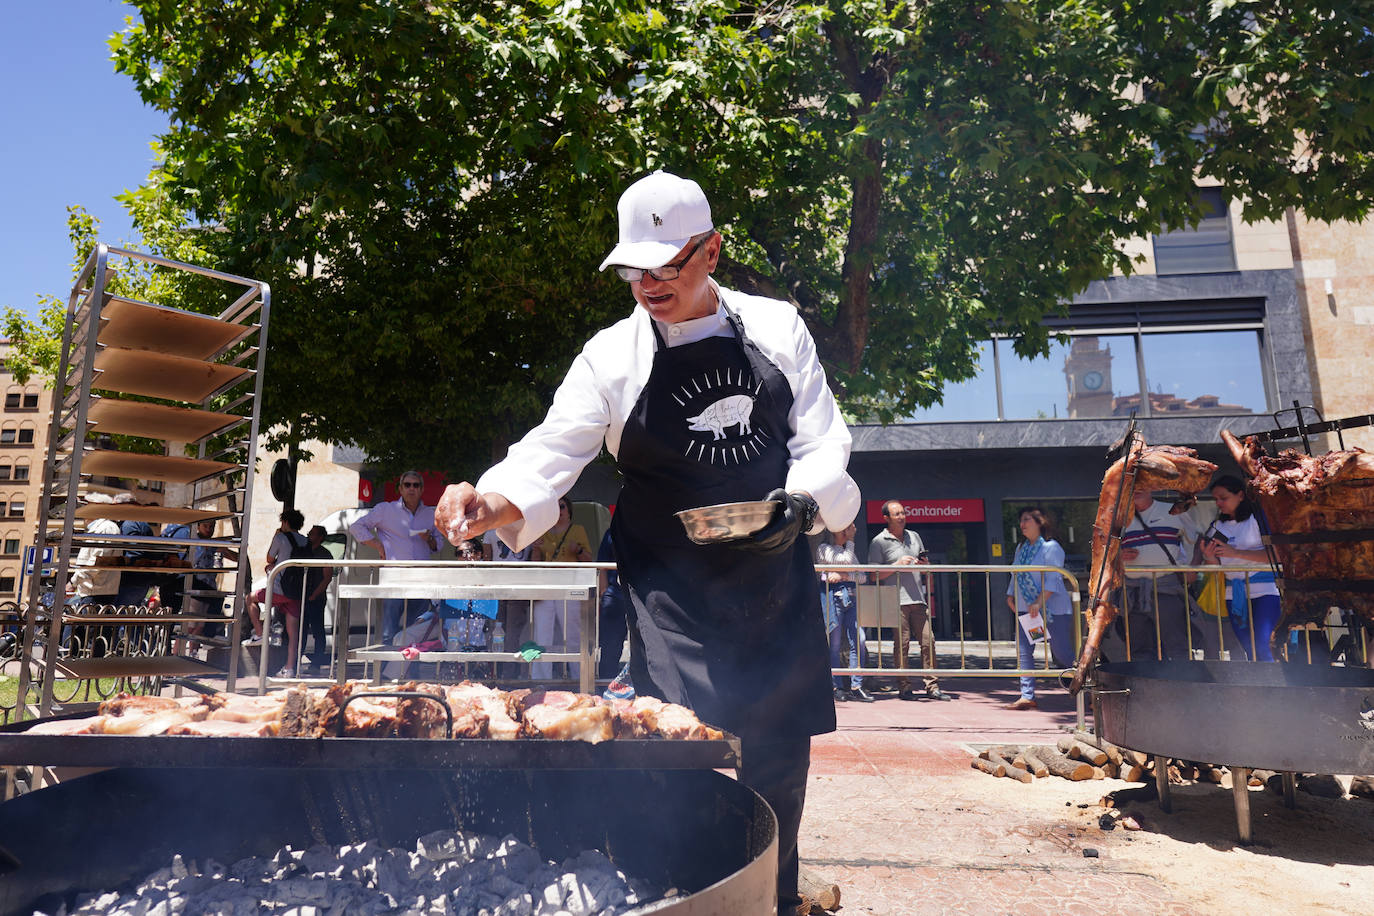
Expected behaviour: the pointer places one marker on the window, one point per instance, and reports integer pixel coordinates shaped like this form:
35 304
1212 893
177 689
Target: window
1213 370
8 435
21 472
26 436
5 471
1207 249
12 400
1204 372
6 583
31 400
16 508
971 399
1079 379
11 547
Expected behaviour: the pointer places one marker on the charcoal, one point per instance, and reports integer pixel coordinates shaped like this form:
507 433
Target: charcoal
448 873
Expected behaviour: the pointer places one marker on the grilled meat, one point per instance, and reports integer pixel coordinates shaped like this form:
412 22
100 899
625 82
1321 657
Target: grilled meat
478 712
1152 467
1331 494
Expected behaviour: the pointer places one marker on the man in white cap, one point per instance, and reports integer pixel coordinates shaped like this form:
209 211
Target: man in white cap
703 395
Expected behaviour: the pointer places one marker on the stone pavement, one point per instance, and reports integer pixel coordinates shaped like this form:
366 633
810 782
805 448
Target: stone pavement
897 818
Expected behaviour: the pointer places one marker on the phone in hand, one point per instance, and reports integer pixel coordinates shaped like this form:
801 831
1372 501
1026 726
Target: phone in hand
1212 534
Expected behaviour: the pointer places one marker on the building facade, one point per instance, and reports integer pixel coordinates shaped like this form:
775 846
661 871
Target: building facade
1224 327
24 420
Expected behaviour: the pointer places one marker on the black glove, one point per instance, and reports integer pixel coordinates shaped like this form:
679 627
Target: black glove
794 516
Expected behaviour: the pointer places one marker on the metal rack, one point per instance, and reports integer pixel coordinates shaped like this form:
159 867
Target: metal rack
191 382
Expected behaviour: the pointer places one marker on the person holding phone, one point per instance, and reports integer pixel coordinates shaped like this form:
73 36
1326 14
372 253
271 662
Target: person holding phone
1253 598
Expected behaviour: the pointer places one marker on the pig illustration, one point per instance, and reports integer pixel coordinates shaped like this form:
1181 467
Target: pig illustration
731 411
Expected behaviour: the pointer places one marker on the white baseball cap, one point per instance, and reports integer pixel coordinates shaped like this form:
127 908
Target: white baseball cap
659 214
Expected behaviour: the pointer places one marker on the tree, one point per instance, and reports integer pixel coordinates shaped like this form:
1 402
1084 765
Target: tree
427 185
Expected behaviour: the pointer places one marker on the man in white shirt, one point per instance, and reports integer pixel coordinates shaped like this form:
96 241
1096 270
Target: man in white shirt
1158 537
400 530
896 545
703 395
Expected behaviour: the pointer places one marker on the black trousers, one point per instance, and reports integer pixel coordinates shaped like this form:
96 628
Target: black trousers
312 623
777 770
613 628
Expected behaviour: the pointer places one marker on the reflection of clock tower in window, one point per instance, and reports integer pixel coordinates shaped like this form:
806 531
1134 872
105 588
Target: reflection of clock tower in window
1088 371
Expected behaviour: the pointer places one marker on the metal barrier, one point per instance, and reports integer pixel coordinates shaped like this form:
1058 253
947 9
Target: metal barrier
879 609
573 585
1351 645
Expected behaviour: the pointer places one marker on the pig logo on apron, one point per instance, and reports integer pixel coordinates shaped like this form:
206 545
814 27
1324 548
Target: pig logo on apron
718 410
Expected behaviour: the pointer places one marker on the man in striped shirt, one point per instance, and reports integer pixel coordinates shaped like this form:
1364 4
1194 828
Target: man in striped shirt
1156 600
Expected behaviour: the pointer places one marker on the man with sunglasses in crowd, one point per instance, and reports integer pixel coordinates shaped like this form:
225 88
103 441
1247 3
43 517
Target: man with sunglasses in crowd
703 395
400 530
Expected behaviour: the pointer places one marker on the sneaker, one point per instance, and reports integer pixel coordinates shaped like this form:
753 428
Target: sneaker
254 640
286 672
1023 703
863 696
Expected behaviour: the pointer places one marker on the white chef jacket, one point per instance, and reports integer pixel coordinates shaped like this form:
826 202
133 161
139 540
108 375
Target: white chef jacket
391 523
605 380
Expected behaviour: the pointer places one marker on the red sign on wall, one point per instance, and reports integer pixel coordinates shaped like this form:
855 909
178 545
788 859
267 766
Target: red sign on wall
364 491
929 511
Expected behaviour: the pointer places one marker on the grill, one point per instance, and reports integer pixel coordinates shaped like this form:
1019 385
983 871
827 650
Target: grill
655 807
1284 717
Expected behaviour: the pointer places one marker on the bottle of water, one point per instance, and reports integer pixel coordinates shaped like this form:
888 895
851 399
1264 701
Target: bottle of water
277 630
498 638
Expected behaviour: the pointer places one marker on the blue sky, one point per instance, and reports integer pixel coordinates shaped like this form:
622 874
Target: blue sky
75 132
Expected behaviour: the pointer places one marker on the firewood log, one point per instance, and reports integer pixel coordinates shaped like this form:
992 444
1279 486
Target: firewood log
1034 763
1208 773
1005 751
1000 762
1114 753
1135 773
1062 766
1109 770
978 763
1019 774
1135 757
1098 773
823 892
1088 753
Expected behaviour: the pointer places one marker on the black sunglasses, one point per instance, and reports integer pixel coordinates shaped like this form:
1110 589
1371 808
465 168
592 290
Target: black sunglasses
411 483
666 272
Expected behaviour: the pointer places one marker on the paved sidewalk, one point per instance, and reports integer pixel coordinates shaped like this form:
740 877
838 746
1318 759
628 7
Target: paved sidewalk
897 818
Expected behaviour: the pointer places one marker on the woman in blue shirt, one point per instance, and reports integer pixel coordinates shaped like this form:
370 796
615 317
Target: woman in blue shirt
1037 596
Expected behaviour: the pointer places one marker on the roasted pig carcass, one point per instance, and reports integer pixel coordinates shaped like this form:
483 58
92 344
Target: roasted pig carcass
1319 510
1142 467
564 716
314 713
652 716
491 703
360 710
123 714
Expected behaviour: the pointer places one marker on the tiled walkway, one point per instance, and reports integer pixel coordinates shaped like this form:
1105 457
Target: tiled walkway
896 817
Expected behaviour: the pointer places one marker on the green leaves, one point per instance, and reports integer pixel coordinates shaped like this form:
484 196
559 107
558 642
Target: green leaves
429 186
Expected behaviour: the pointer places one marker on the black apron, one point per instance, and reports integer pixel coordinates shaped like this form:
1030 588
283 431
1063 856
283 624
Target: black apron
735 636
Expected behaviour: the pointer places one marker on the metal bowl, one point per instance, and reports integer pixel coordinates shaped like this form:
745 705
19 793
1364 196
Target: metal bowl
727 521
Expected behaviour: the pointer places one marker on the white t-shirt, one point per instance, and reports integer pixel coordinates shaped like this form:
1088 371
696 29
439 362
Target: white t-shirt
1245 536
